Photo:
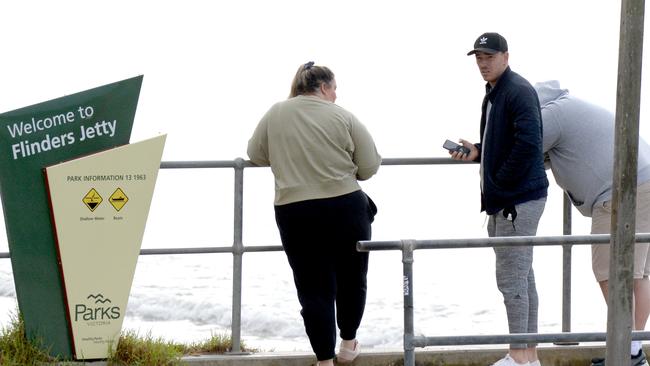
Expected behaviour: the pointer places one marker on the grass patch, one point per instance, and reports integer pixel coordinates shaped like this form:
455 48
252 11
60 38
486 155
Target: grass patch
14 347
216 344
132 349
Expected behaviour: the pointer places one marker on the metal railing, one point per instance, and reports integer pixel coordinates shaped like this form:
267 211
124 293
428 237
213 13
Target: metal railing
238 248
409 246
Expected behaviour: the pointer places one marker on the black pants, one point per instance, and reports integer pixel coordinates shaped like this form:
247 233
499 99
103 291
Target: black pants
319 238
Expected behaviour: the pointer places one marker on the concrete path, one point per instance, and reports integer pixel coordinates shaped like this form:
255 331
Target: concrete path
549 356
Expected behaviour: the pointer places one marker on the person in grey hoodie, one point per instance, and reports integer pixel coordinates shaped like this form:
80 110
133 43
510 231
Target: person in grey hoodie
578 138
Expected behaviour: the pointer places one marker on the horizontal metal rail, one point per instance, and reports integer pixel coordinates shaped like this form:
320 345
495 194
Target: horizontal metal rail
206 164
197 250
208 250
509 241
202 164
518 338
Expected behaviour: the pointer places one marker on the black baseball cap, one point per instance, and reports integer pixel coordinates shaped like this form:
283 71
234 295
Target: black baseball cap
489 43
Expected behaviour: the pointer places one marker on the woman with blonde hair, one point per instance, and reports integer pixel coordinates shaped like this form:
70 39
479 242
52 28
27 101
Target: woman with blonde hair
318 152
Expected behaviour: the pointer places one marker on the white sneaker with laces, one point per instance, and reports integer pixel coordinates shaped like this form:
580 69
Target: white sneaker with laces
508 361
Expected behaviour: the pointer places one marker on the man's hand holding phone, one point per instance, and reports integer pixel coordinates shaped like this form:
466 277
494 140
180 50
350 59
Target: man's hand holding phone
466 151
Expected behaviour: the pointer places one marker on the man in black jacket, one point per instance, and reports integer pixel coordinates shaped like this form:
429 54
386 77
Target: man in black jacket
513 183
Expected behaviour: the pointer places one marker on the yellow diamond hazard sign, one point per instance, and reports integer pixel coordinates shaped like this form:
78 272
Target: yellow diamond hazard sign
92 199
118 199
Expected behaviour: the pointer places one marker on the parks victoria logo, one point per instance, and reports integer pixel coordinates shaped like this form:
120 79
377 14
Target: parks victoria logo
98 310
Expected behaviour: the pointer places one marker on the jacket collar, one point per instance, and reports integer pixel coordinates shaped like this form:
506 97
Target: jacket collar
492 90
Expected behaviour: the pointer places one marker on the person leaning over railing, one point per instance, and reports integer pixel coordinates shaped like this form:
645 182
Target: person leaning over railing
513 183
579 142
317 152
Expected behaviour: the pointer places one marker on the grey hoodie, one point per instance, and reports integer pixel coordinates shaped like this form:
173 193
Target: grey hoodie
579 139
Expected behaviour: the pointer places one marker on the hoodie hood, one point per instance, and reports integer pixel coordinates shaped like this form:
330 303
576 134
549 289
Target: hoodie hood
548 91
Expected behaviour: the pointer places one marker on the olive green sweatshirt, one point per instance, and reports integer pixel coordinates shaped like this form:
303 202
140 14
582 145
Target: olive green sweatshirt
315 148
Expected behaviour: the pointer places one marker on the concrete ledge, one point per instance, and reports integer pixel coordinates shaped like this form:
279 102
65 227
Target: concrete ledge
549 356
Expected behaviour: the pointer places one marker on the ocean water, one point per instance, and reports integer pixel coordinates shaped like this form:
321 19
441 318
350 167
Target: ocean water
188 298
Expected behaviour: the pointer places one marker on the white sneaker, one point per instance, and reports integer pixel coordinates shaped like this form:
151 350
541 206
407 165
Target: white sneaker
508 361
346 355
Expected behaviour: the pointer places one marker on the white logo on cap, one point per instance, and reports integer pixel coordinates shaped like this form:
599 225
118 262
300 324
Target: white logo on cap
483 40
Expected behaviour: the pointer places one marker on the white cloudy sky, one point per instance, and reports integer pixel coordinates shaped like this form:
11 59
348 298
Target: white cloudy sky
212 68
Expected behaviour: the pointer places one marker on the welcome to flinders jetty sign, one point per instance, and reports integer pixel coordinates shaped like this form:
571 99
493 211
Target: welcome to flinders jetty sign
76 196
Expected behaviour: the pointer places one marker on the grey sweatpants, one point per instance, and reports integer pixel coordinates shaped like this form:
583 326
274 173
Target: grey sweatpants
514 267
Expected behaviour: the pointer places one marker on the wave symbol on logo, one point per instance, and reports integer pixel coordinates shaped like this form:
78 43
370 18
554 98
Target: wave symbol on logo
99 298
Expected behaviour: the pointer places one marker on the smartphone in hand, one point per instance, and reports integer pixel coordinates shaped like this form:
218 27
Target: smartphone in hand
452 146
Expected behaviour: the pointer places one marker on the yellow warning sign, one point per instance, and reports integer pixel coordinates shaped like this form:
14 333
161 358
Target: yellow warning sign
118 199
92 199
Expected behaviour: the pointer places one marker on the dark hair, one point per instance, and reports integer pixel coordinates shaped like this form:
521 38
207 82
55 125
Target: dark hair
309 78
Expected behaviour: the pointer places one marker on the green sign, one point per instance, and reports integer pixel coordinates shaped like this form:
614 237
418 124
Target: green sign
31 139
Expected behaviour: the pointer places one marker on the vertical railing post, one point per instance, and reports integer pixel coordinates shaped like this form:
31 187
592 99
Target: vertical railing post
626 142
409 331
566 268
566 271
237 251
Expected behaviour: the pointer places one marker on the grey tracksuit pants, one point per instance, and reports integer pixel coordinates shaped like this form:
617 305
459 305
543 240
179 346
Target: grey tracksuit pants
514 267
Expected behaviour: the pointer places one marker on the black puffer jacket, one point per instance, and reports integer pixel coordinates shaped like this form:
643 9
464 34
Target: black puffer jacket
512 158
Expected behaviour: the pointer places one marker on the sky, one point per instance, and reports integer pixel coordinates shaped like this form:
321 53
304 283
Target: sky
212 69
